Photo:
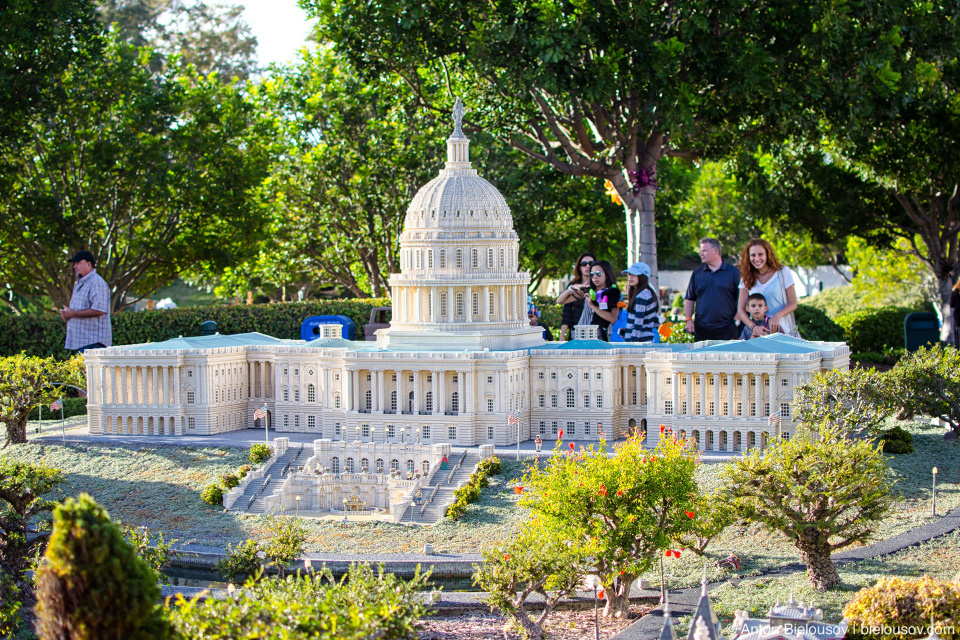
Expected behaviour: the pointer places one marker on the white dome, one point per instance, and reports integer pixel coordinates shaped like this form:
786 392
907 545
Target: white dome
458 198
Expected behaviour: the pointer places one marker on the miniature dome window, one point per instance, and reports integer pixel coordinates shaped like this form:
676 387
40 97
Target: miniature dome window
443 258
443 305
501 259
474 259
475 305
491 308
311 393
459 305
459 262
489 258
419 259
430 259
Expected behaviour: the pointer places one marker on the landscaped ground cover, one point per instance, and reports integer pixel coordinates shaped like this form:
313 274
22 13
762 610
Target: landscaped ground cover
159 487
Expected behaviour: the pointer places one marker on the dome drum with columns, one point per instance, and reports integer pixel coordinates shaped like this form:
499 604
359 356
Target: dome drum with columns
457 360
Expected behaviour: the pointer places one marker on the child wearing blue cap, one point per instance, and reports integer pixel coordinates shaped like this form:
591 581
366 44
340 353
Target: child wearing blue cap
533 315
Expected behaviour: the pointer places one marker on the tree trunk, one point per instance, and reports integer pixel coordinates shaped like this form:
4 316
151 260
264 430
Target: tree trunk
618 597
815 552
16 430
945 288
533 631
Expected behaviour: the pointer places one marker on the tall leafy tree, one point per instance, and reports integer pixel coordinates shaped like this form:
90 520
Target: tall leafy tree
209 35
604 89
150 173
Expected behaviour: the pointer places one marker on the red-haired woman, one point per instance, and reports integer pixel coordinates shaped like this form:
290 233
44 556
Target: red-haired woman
761 272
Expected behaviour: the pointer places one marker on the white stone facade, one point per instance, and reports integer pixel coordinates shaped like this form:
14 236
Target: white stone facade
457 360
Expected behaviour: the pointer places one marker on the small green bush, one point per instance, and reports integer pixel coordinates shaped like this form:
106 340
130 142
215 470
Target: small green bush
213 495
902 603
874 329
241 562
897 440
91 583
243 471
470 492
287 537
361 605
9 606
229 481
71 407
260 453
491 466
814 324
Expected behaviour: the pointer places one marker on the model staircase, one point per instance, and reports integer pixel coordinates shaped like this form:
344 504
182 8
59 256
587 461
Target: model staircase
254 496
445 485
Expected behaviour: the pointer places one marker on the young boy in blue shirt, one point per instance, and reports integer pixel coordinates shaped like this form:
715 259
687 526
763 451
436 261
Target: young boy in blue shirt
757 308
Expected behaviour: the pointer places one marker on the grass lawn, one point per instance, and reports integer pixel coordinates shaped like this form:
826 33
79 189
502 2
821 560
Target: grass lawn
159 487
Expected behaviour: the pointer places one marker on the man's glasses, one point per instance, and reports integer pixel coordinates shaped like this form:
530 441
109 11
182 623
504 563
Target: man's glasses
594 274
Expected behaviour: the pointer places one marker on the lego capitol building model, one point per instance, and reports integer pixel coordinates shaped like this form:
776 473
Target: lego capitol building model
458 358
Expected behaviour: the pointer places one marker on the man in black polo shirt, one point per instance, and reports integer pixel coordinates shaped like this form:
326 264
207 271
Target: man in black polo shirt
713 289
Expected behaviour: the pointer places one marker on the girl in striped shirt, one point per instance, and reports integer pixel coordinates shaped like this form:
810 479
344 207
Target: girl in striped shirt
643 306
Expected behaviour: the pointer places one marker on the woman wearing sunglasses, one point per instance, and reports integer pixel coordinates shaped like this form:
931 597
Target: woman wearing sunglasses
573 296
601 308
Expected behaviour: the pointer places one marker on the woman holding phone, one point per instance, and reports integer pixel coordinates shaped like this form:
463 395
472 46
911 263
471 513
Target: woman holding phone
601 308
572 298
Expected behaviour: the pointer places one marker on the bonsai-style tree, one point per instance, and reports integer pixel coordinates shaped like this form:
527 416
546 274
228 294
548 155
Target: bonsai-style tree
529 564
822 490
929 383
92 584
27 382
22 489
715 511
855 402
621 511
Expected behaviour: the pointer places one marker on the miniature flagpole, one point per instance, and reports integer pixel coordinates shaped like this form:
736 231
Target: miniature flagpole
266 427
63 426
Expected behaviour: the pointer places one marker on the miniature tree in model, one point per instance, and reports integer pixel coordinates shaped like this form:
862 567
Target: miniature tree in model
25 382
620 511
823 491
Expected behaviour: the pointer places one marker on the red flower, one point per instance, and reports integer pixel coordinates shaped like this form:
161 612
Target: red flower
602 594
676 554
572 446
506 556
690 514
663 428
668 553
518 489
560 435
603 490
619 492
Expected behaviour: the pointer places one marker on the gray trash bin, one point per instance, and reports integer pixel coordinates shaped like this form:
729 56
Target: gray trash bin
208 328
920 329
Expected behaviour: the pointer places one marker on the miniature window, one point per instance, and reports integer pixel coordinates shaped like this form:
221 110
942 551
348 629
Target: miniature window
191 397
369 377
189 374
489 379
311 422
766 382
311 393
379 466
286 421
411 465
368 400
429 377
541 400
459 305
430 259
296 422
586 375
668 407
452 433
443 259
394 465
753 409
456 379
633 398
586 401
489 405
739 408
336 377
501 259
455 402
296 395
571 399
310 372
365 431
539 375
696 410
391 431
599 375
429 401
191 423
336 428
491 309
443 305
393 401
285 371
426 432
784 436
489 258
783 382
393 378
364 465
711 409
296 372
766 408
425 467
599 401
553 400
475 305
459 259
553 375
490 433
784 410
336 401
571 428
543 427
348 467
725 407
419 260
555 427
474 259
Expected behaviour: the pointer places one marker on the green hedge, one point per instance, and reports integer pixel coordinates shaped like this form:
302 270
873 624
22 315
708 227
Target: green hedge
814 324
43 335
71 407
875 329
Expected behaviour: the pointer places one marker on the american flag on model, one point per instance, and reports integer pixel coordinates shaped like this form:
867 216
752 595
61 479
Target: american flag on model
775 418
513 418
260 413
56 405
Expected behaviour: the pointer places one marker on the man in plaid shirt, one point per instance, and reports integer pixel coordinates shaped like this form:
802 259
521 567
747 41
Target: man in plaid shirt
88 316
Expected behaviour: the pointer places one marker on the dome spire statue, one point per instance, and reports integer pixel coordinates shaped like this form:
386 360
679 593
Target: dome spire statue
458 112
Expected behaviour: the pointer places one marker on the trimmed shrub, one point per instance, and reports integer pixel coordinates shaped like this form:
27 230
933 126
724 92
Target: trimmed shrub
71 407
92 584
213 495
490 466
874 329
44 335
901 603
260 453
814 324
287 537
229 481
243 470
241 562
897 440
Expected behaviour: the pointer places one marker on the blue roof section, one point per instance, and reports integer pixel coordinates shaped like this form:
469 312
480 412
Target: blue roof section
209 342
778 343
603 346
